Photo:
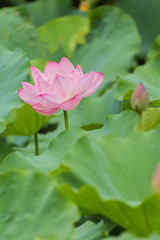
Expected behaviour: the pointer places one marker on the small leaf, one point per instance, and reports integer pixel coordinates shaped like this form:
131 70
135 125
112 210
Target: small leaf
27 122
151 118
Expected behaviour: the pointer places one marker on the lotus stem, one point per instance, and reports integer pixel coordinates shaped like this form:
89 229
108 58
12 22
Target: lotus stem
36 144
140 120
66 120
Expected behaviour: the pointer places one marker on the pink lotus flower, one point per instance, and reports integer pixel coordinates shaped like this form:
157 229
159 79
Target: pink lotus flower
60 86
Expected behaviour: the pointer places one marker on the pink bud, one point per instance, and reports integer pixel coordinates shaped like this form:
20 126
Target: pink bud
156 180
140 99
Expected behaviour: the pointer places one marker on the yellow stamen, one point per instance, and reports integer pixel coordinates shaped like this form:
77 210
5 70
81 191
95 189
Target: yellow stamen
84 6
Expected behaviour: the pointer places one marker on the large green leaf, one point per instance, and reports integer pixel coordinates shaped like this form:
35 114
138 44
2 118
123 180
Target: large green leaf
65 32
92 231
112 43
26 123
50 159
32 208
111 176
146 15
121 124
16 30
130 236
43 11
118 174
149 74
14 69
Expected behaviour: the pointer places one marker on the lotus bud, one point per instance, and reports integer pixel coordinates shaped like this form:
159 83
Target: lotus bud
140 99
156 180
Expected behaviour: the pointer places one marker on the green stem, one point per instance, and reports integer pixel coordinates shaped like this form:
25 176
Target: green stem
36 144
66 120
140 120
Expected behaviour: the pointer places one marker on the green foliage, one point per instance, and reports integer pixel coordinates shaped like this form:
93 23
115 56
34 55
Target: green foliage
151 118
54 155
112 177
53 8
149 74
16 120
92 231
130 236
155 50
95 109
146 15
114 38
35 209
120 124
14 69
104 164
17 31
53 33
16 2
26 123
5 149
